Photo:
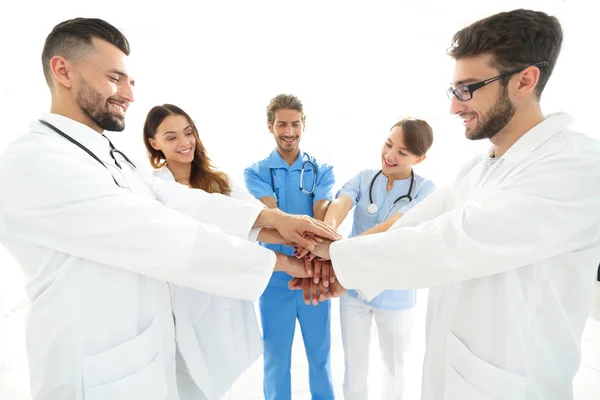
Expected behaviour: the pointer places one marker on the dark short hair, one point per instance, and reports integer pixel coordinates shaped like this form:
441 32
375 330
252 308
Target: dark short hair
516 39
72 39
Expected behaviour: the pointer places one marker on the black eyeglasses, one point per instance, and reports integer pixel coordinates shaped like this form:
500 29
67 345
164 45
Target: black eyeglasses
465 92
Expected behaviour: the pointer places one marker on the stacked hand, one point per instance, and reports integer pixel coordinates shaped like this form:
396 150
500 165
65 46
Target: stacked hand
318 288
311 269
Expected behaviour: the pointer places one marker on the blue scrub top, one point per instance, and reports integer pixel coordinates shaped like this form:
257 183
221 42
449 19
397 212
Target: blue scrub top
290 198
357 189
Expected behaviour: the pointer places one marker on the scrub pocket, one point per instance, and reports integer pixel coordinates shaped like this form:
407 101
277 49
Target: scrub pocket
132 370
469 377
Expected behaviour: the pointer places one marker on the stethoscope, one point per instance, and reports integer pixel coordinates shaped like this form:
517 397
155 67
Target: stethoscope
373 208
112 152
308 162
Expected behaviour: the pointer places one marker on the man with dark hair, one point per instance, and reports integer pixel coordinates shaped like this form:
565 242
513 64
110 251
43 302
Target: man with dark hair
99 242
511 250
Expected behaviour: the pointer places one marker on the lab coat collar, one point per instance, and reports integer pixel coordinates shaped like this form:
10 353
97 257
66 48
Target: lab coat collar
537 135
276 161
85 135
164 173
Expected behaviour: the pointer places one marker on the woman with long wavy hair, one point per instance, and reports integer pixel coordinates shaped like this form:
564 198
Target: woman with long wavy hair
174 147
226 331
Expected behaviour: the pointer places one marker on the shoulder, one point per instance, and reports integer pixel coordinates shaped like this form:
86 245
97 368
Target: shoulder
163 173
321 165
257 166
423 183
575 142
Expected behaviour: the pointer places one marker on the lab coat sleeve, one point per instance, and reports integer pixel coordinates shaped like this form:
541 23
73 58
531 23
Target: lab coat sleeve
74 207
200 205
352 189
239 192
425 190
256 184
552 207
325 182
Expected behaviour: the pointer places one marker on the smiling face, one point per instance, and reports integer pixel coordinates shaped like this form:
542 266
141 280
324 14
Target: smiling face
396 159
287 129
490 109
101 87
175 138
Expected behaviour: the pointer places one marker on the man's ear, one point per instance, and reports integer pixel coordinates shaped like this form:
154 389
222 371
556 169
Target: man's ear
62 71
528 80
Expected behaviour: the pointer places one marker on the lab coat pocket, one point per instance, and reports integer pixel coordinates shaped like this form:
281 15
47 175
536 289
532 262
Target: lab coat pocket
134 369
469 377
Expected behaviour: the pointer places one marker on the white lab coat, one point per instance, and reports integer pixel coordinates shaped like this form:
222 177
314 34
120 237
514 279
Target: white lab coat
96 257
511 253
227 337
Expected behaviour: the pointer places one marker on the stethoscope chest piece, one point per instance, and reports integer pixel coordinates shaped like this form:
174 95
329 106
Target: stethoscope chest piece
372 208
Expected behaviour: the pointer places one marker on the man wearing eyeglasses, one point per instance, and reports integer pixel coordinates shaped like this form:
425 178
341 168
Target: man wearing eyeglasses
294 182
511 250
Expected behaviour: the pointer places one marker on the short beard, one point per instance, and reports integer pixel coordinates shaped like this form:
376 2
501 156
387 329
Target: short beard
496 119
97 109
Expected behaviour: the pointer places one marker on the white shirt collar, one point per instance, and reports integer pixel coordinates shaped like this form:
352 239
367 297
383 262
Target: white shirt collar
85 135
163 173
537 135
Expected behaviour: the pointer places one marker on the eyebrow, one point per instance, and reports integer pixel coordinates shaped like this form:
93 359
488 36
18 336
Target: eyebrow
123 74
466 81
291 122
185 129
403 148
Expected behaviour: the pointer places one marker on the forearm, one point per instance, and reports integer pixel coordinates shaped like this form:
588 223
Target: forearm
320 209
383 227
268 218
271 236
337 211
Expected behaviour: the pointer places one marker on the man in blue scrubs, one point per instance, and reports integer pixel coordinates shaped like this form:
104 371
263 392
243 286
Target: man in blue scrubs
294 182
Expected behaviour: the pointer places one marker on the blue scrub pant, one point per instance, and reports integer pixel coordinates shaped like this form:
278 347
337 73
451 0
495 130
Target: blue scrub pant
279 308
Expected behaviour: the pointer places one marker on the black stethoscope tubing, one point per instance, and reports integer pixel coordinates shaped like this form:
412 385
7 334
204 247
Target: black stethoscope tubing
375 208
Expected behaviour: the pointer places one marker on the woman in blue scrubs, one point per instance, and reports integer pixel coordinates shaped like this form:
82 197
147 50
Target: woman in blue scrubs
296 183
379 198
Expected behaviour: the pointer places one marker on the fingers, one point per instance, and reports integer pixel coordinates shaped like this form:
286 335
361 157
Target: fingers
318 239
303 242
314 292
306 284
337 289
297 268
310 256
313 239
301 252
320 228
296 284
308 267
323 292
316 269
325 272
331 273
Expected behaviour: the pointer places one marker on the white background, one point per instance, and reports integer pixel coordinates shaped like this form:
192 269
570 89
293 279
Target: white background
356 66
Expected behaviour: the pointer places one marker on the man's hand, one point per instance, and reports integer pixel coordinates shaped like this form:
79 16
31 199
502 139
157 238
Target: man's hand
292 266
325 289
321 251
294 227
318 292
